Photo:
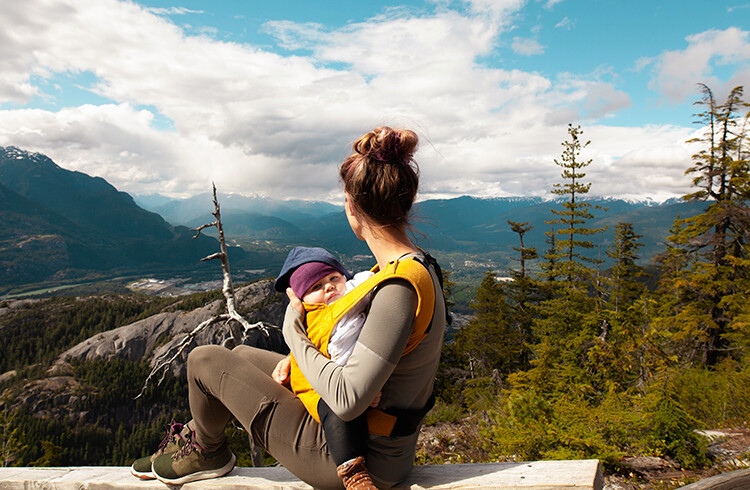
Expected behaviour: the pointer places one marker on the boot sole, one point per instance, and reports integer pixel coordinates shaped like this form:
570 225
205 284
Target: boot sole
142 474
199 475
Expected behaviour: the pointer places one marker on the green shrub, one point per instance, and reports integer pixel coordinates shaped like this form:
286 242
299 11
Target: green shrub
673 433
716 397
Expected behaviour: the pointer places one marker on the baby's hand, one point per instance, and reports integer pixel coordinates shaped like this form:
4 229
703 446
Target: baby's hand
374 402
281 371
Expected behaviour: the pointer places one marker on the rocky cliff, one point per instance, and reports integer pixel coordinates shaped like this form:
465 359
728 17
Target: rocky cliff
153 336
58 394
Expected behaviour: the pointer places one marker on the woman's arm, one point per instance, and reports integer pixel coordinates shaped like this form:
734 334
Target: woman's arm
349 389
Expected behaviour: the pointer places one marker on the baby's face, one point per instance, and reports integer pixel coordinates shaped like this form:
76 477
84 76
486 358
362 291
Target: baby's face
327 290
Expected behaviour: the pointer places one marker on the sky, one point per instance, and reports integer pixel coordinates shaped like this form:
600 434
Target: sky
266 97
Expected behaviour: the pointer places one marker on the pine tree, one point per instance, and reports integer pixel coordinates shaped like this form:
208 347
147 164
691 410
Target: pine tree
11 435
523 293
574 236
568 320
625 286
621 355
525 253
489 341
707 264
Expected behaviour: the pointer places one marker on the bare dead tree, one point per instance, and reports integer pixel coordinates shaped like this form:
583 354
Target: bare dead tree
238 326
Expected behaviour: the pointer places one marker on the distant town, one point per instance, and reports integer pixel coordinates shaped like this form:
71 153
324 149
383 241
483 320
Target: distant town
181 286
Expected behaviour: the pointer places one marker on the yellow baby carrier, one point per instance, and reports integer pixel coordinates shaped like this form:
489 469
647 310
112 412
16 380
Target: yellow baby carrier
321 319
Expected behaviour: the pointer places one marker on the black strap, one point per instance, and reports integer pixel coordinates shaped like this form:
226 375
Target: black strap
408 420
428 261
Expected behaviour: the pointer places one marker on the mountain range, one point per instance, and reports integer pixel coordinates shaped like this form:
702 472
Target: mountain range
61 225
469 226
56 225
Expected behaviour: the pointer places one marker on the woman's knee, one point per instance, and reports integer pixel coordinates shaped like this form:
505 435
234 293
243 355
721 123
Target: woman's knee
264 360
203 355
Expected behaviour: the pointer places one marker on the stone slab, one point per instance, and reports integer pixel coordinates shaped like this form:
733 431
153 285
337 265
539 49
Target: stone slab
533 475
734 480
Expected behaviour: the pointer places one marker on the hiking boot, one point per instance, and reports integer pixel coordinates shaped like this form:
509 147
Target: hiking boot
191 462
172 442
355 476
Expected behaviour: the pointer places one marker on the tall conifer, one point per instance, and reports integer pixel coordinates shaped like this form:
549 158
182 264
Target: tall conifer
707 264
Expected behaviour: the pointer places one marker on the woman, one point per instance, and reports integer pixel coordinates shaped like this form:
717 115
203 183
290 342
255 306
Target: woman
380 181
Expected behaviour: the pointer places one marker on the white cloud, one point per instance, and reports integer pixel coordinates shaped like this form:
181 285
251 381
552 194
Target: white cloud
173 11
565 23
497 10
526 46
592 96
733 8
677 72
259 122
551 3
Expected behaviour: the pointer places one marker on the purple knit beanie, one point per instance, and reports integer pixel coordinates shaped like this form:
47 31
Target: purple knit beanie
308 274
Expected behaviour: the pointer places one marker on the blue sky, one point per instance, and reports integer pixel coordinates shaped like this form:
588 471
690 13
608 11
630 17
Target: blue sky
165 96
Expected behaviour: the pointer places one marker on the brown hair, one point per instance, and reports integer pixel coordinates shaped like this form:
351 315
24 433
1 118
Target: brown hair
381 176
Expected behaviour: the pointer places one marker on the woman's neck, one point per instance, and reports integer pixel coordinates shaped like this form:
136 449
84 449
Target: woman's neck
387 244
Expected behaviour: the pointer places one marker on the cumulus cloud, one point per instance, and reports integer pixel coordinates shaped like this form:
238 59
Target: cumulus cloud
256 121
677 72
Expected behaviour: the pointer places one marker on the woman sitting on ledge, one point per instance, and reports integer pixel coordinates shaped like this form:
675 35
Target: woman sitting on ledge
397 353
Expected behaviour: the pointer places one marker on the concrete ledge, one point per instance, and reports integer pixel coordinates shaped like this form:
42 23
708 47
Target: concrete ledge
536 475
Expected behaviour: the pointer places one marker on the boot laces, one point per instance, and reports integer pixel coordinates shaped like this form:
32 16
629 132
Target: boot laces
173 429
189 446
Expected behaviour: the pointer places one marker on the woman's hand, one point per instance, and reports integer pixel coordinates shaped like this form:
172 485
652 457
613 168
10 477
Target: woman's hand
374 403
294 301
281 371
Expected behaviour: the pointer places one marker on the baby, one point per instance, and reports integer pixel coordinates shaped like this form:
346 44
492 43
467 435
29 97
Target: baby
315 276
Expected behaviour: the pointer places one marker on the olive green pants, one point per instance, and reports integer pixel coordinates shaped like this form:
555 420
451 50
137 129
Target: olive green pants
224 383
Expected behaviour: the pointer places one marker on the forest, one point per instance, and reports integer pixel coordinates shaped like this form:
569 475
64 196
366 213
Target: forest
575 362
565 361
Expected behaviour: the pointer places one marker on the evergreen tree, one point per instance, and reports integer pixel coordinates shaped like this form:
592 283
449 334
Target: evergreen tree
11 435
622 353
707 264
523 293
525 253
625 286
489 341
549 266
574 236
568 321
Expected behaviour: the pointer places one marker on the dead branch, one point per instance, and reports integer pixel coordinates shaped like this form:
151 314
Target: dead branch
232 319
162 364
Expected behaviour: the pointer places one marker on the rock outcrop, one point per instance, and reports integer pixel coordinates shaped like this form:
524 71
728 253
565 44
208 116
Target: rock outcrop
151 337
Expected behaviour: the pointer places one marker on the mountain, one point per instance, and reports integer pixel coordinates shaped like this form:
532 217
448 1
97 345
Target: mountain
476 226
464 225
193 209
57 224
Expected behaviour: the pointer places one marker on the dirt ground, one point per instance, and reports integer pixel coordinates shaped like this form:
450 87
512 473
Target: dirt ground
730 448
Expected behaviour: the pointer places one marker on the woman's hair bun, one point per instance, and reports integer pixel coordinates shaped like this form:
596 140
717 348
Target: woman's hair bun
388 145
380 177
